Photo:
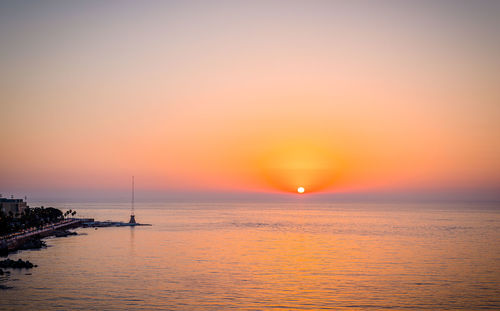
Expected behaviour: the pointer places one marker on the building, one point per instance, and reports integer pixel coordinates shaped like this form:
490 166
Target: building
16 206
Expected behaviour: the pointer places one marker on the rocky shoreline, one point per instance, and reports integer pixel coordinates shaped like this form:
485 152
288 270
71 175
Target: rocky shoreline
63 233
16 264
32 240
25 231
37 243
33 243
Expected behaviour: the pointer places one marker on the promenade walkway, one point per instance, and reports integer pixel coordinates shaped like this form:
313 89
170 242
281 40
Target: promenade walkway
45 230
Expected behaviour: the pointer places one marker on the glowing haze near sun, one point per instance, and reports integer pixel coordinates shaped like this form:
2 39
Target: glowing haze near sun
249 97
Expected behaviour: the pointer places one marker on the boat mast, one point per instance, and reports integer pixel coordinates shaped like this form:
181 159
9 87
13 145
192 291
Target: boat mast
132 216
133 195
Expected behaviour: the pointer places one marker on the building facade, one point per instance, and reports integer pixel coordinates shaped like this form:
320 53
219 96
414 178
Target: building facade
16 206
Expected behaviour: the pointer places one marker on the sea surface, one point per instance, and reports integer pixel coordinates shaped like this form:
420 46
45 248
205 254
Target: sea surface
267 257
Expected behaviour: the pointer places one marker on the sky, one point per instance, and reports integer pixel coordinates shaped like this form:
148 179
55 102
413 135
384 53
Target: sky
250 99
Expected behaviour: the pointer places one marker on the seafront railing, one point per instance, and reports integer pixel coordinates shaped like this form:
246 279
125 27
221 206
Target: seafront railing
34 231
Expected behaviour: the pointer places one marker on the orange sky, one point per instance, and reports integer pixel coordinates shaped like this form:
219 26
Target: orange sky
256 96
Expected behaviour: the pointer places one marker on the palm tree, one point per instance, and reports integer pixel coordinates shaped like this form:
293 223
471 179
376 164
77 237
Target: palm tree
67 213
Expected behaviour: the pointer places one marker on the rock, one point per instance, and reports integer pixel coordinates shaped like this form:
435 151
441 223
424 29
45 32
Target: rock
16 264
63 233
33 244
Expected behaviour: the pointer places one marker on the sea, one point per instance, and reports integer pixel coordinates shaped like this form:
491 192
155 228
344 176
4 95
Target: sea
267 256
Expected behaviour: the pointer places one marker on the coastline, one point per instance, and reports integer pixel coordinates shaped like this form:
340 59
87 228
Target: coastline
20 240
17 241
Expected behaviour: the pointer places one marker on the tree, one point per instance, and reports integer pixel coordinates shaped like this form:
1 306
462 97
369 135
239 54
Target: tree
30 218
53 214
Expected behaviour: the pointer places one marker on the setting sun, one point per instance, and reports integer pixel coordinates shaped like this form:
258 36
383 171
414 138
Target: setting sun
224 113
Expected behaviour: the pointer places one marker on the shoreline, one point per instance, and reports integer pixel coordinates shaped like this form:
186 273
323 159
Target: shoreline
16 241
